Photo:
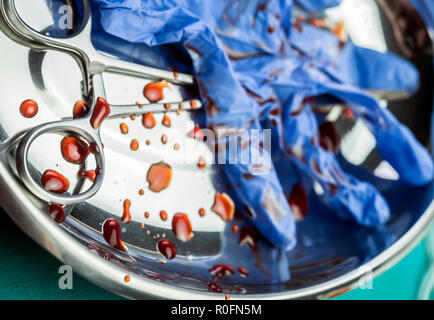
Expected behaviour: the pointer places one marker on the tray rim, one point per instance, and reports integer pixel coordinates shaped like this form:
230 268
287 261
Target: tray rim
22 209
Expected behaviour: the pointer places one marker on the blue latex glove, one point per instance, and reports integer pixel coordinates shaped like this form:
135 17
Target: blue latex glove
426 10
318 5
258 38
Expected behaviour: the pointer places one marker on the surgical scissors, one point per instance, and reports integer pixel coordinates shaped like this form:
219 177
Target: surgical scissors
92 64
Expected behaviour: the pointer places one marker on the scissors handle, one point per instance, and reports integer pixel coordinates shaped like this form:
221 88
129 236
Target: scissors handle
78 127
80 47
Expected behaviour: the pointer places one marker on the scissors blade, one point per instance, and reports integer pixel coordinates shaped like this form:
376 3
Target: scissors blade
126 110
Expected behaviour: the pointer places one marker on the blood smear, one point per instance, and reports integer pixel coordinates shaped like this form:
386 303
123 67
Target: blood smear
298 202
223 206
126 216
54 182
181 227
154 91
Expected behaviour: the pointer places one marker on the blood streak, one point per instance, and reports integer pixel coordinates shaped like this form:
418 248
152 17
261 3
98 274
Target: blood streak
54 182
74 150
166 248
221 270
154 91
101 111
148 120
166 121
80 109
28 108
126 216
181 227
223 206
298 202
159 176
111 232
57 213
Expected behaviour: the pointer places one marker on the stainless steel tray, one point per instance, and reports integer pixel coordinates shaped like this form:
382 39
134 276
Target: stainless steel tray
327 261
